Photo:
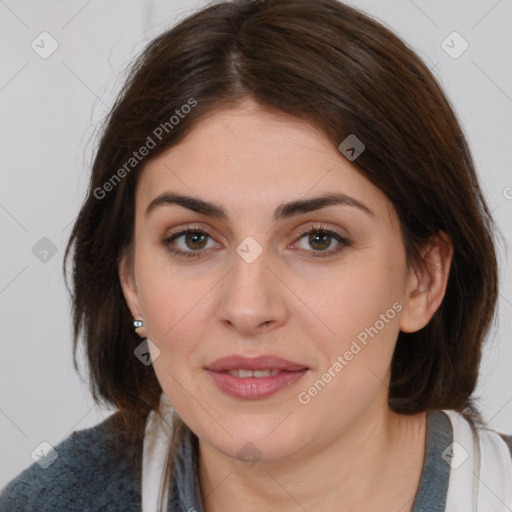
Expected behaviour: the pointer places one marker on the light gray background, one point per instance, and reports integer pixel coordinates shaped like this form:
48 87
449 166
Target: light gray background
49 109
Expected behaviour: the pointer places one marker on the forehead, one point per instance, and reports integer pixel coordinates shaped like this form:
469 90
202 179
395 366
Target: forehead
254 159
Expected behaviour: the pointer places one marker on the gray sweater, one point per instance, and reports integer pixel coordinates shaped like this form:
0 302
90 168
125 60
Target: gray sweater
92 473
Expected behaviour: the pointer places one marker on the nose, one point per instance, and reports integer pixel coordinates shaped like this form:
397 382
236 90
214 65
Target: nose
252 299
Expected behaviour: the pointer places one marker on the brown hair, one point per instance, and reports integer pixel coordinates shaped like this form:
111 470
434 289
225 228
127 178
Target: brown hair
341 71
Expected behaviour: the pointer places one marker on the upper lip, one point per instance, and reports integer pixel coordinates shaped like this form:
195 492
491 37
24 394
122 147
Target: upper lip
263 362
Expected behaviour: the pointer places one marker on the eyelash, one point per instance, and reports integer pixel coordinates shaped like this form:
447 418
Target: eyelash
343 242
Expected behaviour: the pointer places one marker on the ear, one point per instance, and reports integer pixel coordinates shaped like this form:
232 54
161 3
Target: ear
426 285
129 287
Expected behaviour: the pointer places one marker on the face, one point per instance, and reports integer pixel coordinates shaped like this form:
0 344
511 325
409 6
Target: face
322 285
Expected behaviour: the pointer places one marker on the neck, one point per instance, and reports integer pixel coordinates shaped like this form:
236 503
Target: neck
375 464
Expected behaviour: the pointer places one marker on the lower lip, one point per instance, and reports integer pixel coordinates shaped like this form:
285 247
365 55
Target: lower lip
255 388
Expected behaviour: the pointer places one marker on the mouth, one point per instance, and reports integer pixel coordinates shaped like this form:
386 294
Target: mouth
244 374
266 362
254 378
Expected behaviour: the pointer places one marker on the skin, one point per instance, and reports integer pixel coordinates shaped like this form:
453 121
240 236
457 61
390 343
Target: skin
345 450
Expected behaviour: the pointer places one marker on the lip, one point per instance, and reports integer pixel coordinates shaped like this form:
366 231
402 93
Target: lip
254 388
263 362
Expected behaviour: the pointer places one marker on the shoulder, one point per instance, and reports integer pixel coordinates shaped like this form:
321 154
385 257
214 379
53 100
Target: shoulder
92 472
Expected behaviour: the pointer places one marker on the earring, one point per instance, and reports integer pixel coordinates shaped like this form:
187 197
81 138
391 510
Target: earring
137 324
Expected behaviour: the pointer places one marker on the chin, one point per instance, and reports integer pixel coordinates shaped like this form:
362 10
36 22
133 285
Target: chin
253 450
252 442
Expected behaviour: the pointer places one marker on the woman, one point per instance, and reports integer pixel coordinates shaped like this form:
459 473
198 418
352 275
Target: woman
283 274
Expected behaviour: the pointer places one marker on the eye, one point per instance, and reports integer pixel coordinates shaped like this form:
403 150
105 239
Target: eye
321 239
189 242
192 242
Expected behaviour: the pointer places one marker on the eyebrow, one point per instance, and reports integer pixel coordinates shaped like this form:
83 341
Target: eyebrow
284 210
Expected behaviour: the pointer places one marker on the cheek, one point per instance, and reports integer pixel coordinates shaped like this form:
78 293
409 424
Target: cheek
172 309
353 299
362 310
175 319
169 298
361 307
